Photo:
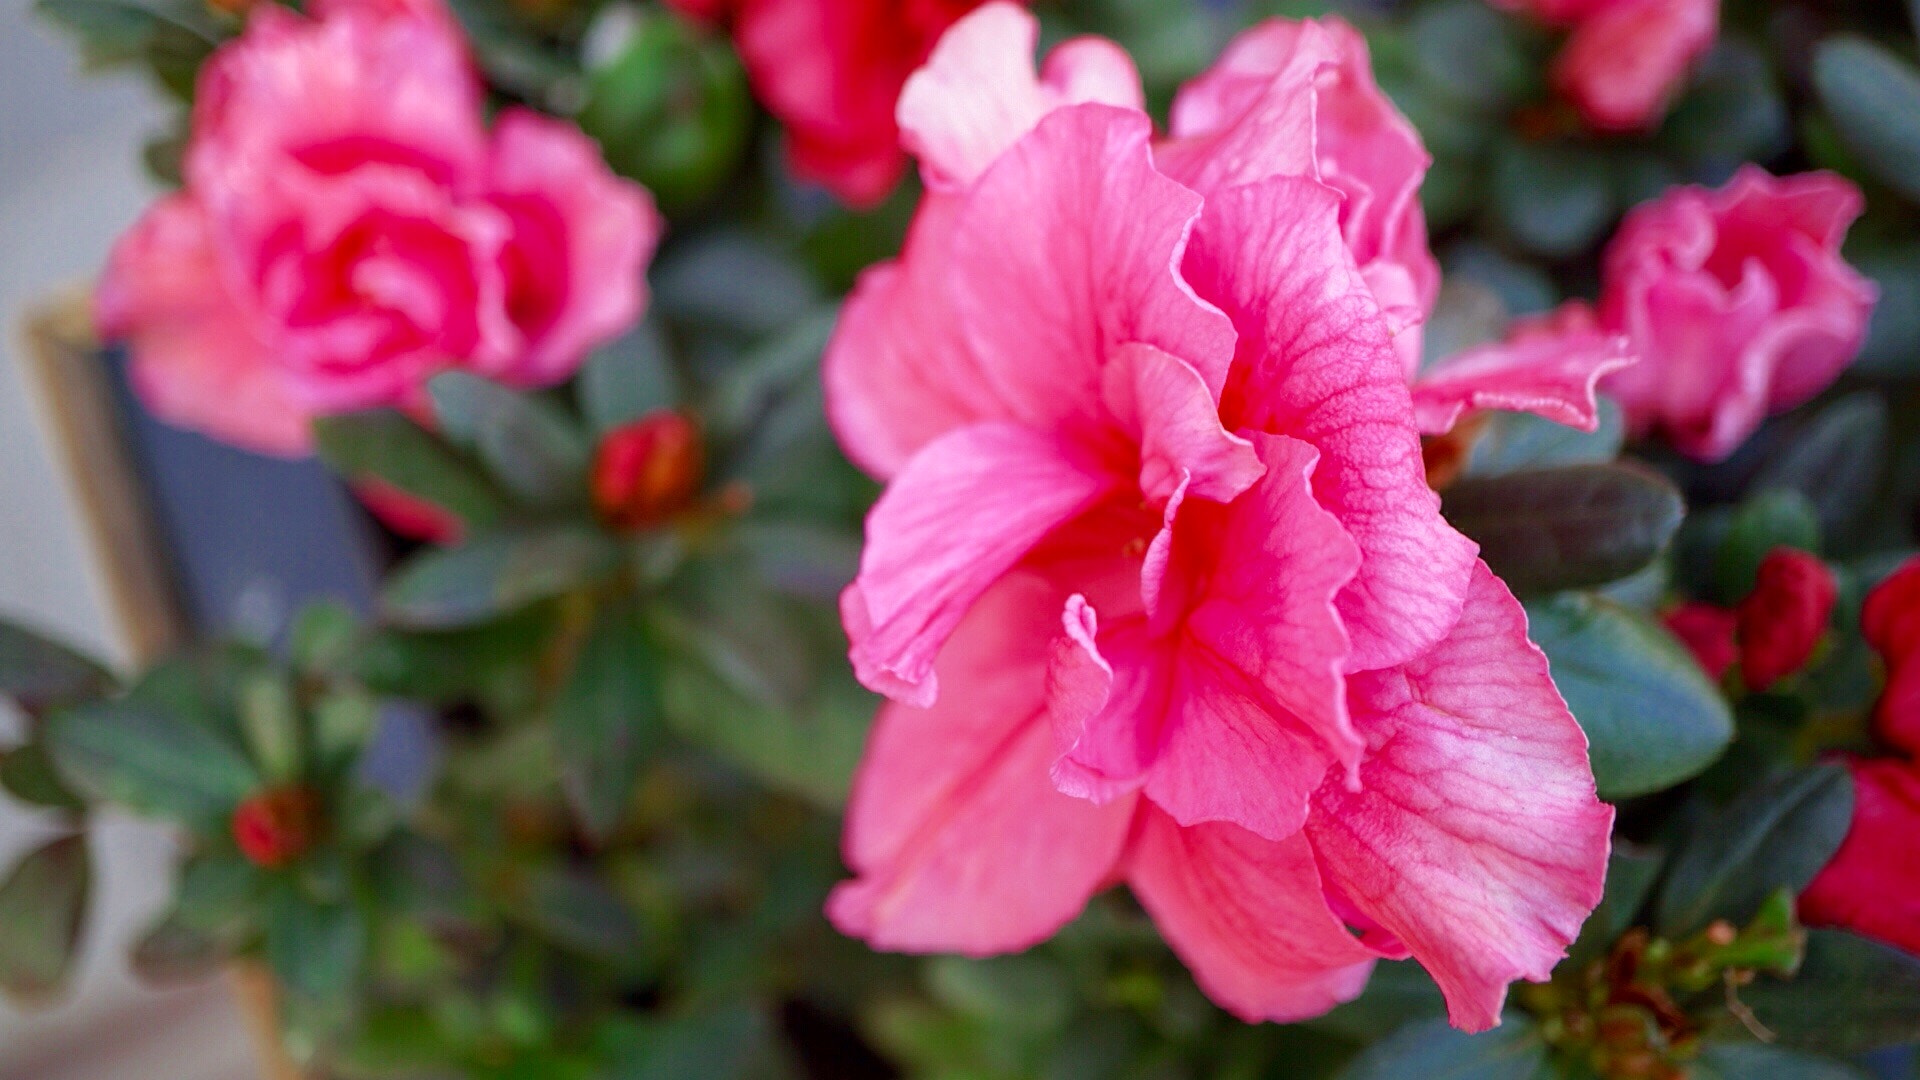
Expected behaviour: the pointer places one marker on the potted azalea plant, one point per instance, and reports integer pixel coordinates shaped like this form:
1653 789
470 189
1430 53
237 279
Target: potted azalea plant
1120 538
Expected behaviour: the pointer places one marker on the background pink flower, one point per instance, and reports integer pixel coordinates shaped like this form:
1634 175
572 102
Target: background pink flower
1625 60
350 227
1157 583
1738 302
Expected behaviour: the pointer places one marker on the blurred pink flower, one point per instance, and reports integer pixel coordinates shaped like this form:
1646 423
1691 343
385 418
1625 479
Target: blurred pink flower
1157 584
1737 301
1625 59
349 227
832 70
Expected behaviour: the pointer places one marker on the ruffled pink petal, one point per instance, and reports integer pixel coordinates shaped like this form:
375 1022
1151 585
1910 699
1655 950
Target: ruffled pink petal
1475 837
1316 364
1257 710
958 838
1251 116
963 512
1625 60
196 362
1106 695
582 238
1538 370
1162 401
1067 249
1248 916
978 93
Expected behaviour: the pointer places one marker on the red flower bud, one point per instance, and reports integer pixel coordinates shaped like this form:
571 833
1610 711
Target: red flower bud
275 827
647 471
1707 632
1891 622
1872 886
408 514
1785 616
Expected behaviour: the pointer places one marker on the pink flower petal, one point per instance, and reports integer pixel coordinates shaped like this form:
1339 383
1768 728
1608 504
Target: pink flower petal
960 842
1248 917
1252 116
1316 364
1162 401
1626 59
1545 373
1105 695
978 93
1475 837
962 513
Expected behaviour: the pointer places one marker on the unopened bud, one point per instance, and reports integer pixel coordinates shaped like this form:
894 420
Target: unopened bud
647 471
1785 616
277 826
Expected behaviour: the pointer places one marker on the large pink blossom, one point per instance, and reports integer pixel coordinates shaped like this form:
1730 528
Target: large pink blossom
1157 585
1736 301
350 226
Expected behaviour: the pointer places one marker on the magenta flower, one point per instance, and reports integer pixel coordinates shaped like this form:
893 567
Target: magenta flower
1157 584
350 227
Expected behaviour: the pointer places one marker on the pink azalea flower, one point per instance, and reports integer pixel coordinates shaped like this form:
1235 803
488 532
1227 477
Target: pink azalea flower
1625 60
350 227
1736 301
1157 584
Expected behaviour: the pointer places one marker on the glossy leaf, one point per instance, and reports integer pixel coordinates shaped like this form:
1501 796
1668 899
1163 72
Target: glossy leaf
1776 836
1851 995
1553 198
43 904
316 950
391 447
496 574
1769 519
1834 461
577 912
1873 98
36 670
151 761
1398 993
1744 1061
728 1043
1431 1050
627 379
1570 527
606 720
28 774
1631 874
530 444
1651 716
1515 442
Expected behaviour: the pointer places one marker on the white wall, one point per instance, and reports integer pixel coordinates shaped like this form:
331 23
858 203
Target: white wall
69 182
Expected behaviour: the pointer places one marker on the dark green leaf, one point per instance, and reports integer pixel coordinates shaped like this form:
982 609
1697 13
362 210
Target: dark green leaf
1747 1061
1776 836
1514 442
27 774
731 1043
576 911
1631 873
37 670
1651 717
1873 98
531 445
1568 527
1431 1050
734 282
1469 51
496 574
1892 349
1852 995
1552 198
627 379
43 903
316 950
1770 519
606 720
170 38
768 376
495 661
1398 993
1834 460
390 447
1733 113
323 636
803 559
151 761
1025 993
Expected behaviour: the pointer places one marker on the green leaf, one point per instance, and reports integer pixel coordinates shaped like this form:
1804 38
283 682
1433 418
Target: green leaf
1851 996
627 379
1776 836
1469 52
323 637
495 661
1568 527
1025 993
152 761
733 282
1553 198
606 721
316 950
43 904
1398 993
1834 461
27 774
390 447
270 719
1733 113
1873 98
1744 1061
577 912
1892 349
37 670
1631 873
1651 716
1515 442
496 574
533 448
1431 1050
729 1043
800 558
170 38
770 375
172 952
1770 519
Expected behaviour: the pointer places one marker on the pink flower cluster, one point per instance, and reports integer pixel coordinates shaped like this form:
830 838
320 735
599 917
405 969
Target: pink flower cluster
1624 59
349 227
1156 584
